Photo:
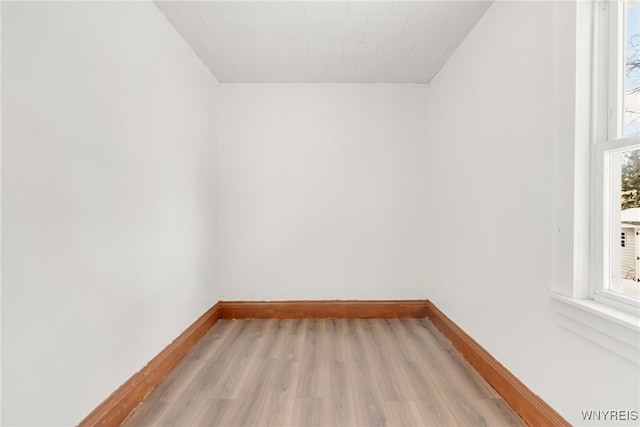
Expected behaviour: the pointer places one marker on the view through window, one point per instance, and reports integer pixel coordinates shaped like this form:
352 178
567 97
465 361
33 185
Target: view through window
631 120
625 165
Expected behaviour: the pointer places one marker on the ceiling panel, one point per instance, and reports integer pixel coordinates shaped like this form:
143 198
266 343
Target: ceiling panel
321 53
227 29
290 52
372 71
325 9
412 8
397 52
421 28
238 9
400 41
358 52
312 72
267 29
306 29
282 9
384 28
340 72
344 29
369 8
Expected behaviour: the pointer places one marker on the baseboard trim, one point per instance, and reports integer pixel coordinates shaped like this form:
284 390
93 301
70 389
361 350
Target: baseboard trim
323 309
119 405
531 408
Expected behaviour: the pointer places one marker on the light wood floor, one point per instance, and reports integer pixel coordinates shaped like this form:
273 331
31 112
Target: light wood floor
323 372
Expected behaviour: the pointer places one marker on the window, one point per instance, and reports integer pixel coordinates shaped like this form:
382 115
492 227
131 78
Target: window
616 158
595 298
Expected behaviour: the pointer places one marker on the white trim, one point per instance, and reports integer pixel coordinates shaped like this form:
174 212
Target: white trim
611 200
608 325
583 94
600 84
615 63
636 242
606 214
617 300
615 330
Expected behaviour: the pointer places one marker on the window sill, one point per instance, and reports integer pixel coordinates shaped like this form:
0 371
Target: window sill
616 330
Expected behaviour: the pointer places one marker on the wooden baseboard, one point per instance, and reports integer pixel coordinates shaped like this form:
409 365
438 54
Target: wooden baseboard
323 309
531 408
119 405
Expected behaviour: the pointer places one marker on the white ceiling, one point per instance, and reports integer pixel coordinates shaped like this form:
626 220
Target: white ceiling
400 41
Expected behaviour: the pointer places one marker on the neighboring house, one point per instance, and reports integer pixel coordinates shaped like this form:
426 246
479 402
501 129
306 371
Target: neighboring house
629 244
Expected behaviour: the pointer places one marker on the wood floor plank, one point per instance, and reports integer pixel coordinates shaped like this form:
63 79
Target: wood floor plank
309 412
278 407
338 397
216 412
460 367
367 398
323 372
402 414
312 383
382 356
249 410
497 412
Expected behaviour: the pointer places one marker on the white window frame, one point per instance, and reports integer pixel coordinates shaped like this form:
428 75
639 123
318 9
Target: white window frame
606 250
612 325
608 113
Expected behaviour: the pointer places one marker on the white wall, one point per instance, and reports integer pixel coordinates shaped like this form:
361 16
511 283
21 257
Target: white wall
322 192
108 200
112 224
495 125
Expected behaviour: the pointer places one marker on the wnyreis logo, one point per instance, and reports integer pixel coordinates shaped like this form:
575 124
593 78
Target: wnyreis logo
609 415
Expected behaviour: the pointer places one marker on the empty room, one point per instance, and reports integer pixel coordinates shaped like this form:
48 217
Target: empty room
356 213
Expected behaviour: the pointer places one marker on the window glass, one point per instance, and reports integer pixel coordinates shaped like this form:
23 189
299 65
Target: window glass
631 117
626 166
619 160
